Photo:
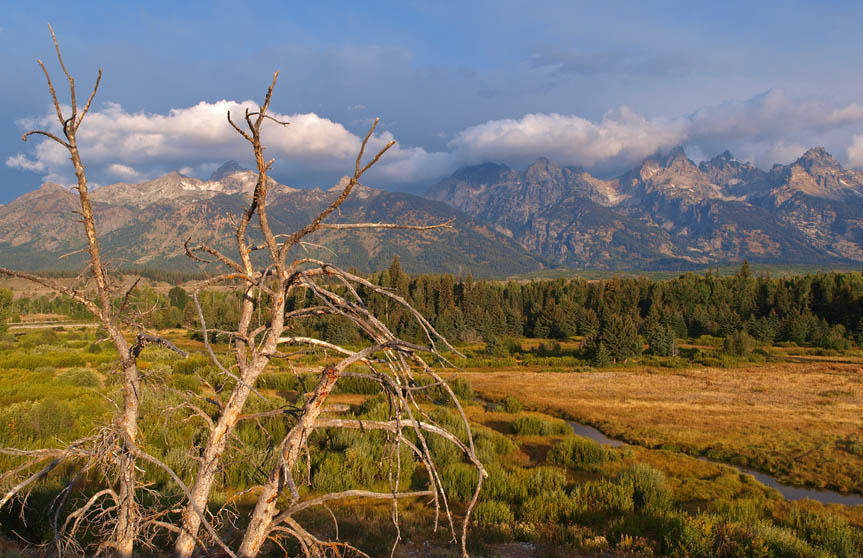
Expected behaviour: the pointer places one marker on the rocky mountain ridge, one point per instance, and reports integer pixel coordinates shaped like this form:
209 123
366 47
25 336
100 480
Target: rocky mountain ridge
145 225
668 211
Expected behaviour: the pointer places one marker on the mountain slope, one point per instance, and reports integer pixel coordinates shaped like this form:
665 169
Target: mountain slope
145 225
667 211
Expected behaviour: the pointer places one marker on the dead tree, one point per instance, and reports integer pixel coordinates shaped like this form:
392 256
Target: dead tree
403 370
114 447
394 363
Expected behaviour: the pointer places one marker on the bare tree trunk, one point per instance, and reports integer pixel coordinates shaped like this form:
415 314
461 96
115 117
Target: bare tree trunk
265 509
191 520
127 517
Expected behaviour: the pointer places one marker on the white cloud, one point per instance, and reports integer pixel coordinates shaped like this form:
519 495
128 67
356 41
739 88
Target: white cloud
569 139
123 171
22 162
196 136
767 128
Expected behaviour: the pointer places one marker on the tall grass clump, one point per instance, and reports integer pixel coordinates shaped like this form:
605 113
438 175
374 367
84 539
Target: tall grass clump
580 453
533 426
650 495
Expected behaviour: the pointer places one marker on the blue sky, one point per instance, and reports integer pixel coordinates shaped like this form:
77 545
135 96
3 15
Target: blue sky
598 84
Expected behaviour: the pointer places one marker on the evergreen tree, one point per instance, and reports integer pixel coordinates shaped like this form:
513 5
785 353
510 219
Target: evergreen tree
620 337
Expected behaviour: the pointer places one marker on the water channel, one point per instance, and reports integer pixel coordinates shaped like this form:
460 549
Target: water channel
789 492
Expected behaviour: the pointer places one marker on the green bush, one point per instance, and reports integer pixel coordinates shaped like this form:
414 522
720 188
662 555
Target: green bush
650 495
190 365
362 386
50 418
527 426
690 537
511 405
459 481
830 532
551 508
738 343
503 485
530 425
492 512
545 479
579 453
604 496
331 474
462 389
81 377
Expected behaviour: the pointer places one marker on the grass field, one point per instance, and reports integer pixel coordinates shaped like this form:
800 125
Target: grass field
549 492
801 422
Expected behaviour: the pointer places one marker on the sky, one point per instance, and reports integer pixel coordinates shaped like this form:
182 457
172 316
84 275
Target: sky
597 84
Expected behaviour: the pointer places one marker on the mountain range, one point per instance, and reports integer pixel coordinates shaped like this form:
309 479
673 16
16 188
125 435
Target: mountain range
670 212
145 225
666 213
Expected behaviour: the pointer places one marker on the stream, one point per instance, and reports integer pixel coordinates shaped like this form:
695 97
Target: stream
789 492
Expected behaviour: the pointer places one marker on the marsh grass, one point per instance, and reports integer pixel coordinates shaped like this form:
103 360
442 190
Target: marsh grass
546 486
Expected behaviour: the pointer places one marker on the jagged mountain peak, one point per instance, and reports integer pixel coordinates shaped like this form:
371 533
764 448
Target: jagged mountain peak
544 169
227 169
817 157
48 187
674 158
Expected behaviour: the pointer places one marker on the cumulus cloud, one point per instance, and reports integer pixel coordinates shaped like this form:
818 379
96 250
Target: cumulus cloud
569 139
194 137
123 171
770 127
766 128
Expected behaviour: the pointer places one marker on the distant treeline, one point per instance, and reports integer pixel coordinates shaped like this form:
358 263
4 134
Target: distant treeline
824 310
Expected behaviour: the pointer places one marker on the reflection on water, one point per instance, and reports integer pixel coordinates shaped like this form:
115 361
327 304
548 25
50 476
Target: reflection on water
789 492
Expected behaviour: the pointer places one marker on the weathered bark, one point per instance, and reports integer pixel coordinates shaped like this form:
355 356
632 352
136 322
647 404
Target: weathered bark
265 508
206 475
127 517
126 528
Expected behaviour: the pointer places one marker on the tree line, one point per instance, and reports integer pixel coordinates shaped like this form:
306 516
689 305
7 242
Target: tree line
822 310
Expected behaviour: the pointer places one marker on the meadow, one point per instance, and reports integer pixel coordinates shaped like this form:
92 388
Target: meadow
549 492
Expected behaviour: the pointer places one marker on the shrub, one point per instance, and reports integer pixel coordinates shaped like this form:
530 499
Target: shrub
362 386
692 537
579 453
492 512
545 479
650 495
551 509
605 496
503 485
527 426
331 474
511 405
533 426
81 377
190 365
459 481
50 418
462 389
830 532
738 343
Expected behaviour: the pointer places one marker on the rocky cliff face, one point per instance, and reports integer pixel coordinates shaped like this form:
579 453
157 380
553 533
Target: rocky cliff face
670 212
145 225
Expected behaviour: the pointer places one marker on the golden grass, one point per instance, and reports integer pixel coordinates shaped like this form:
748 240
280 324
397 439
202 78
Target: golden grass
791 420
